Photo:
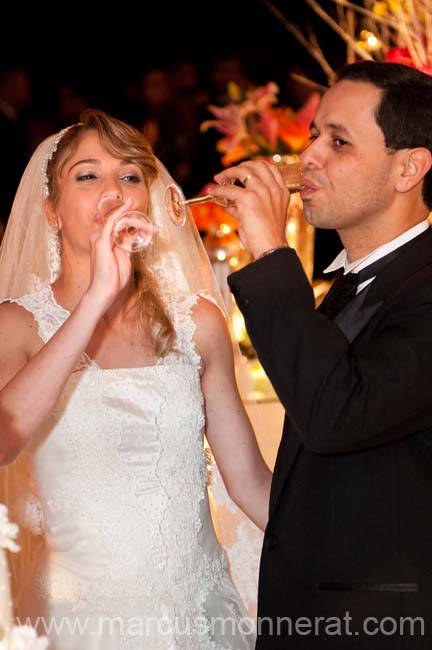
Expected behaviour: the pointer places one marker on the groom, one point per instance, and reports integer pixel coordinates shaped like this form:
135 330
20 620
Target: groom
346 561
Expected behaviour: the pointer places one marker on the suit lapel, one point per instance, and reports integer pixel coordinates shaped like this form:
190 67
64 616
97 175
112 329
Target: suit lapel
411 258
358 320
414 256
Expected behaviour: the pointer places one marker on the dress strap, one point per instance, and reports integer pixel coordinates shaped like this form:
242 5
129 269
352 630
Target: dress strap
48 314
180 311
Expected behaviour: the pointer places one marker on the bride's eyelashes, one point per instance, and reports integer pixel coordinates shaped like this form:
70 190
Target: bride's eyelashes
129 178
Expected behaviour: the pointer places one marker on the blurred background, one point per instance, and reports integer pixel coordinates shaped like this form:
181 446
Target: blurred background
157 66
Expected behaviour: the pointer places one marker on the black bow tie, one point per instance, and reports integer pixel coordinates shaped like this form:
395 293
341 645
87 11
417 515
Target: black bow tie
344 288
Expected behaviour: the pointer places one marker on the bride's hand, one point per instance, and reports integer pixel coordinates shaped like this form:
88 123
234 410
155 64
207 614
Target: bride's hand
110 265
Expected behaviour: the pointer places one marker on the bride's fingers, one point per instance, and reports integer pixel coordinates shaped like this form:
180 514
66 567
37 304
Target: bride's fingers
124 260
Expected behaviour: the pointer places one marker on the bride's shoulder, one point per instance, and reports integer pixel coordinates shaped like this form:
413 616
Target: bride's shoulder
207 310
12 313
211 333
18 328
18 340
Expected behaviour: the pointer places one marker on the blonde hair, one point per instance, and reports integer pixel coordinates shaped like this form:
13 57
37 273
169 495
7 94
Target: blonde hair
126 143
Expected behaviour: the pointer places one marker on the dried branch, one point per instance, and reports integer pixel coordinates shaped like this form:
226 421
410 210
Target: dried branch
408 38
350 21
308 82
334 25
418 31
296 32
407 24
367 12
428 28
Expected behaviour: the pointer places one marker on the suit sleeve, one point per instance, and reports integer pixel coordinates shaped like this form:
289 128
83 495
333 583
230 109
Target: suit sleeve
340 397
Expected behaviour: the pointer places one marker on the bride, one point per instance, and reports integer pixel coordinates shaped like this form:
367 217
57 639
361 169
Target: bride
113 366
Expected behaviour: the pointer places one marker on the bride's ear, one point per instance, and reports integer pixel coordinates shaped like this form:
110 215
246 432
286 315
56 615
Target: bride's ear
415 165
52 215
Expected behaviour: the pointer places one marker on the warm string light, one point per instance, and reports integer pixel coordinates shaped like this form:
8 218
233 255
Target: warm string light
369 41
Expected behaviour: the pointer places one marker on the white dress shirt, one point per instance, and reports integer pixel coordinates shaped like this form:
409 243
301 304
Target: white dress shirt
342 260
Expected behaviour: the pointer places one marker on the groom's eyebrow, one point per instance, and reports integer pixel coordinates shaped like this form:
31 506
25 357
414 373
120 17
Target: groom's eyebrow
333 127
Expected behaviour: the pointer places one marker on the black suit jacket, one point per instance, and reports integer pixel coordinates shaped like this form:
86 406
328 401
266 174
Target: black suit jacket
350 528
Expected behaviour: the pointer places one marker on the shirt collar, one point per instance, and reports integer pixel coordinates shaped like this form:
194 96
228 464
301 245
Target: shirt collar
342 261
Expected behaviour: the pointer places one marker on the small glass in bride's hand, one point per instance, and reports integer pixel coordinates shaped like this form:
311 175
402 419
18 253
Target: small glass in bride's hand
132 231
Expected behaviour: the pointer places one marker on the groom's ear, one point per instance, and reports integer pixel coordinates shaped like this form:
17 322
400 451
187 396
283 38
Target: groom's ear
52 215
414 165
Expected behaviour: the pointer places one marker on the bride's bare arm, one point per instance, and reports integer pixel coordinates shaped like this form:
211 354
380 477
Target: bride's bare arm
229 431
31 381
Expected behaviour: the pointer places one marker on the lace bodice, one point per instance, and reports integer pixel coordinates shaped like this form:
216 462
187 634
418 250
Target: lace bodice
49 316
120 473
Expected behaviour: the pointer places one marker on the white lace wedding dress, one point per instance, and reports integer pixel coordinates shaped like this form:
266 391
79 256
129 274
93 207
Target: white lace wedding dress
129 558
